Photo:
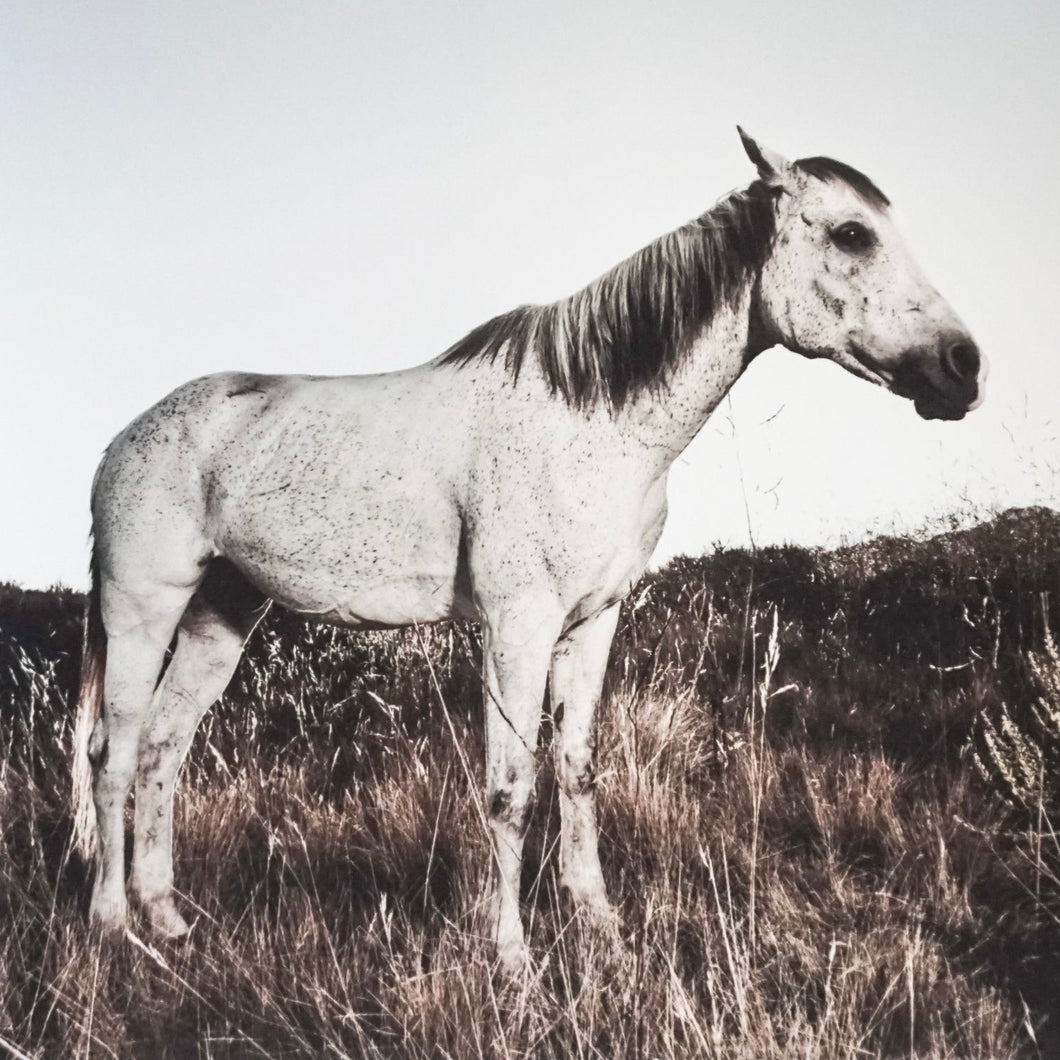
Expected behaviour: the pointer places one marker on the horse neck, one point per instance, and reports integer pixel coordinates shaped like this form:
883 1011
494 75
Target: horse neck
666 420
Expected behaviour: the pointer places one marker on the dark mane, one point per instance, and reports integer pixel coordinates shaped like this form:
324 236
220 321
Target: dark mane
626 331
829 169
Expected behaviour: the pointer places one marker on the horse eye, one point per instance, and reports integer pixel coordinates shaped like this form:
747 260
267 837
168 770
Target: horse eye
853 236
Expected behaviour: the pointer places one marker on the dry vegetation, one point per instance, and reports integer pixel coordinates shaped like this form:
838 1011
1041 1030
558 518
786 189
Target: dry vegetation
802 797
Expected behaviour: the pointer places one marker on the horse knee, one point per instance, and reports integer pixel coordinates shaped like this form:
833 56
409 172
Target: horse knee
512 804
577 770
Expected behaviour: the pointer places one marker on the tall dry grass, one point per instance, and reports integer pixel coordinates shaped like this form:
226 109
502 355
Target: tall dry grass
804 858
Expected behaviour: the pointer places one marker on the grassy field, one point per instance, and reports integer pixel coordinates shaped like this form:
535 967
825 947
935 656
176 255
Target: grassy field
828 783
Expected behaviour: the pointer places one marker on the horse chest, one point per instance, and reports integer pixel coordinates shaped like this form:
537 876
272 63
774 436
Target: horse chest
565 532
625 561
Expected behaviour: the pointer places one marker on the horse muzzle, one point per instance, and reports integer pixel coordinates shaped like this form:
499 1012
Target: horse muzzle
945 383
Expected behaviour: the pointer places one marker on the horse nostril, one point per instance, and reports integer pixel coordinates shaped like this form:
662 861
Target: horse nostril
961 360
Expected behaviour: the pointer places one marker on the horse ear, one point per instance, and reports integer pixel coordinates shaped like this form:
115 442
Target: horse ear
771 166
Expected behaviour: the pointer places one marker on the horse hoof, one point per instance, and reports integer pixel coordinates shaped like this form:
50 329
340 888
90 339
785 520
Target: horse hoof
109 916
594 906
164 920
513 959
602 919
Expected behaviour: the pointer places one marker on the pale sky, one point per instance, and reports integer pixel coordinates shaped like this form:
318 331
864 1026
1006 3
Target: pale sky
187 187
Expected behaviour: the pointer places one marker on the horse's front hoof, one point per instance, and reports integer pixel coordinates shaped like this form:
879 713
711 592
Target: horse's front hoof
592 904
164 920
603 916
598 925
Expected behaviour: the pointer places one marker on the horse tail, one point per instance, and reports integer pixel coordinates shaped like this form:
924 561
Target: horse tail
89 708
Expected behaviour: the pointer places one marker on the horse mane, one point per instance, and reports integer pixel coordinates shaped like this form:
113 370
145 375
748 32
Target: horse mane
625 332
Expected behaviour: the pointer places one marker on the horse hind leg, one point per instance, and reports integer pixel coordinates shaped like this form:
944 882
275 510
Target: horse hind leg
210 638
139 628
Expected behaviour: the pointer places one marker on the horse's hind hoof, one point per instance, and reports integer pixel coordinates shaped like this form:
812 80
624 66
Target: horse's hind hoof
109 917
513 959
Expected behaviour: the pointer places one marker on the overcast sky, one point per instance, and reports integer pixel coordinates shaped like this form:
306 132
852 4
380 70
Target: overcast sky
349 187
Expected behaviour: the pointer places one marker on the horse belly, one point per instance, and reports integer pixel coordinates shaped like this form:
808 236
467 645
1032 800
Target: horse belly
386 562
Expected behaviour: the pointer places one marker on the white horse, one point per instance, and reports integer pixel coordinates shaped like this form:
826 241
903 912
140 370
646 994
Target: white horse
518 479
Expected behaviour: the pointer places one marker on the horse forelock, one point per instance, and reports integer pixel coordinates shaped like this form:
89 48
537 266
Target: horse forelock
829 169
626 331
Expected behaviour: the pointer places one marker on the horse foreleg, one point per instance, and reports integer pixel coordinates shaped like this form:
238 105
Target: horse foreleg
578 665
210 640
515 663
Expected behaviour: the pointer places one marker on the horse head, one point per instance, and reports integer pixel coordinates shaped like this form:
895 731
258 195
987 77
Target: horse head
841 283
